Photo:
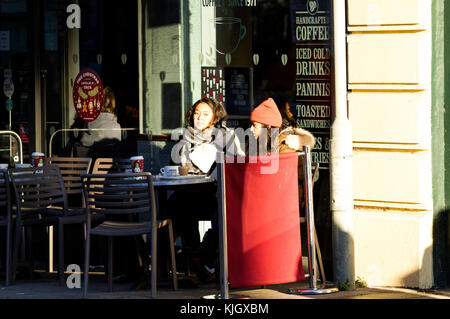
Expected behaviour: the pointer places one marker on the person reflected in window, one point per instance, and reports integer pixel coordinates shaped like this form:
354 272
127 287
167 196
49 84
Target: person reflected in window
100 140
107 119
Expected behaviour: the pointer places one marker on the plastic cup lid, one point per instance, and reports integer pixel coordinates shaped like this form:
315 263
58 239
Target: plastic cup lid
135 158
37 154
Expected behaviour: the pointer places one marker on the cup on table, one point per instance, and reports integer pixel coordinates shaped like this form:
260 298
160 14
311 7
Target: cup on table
24 165
137 164
37 159
183 170
169 171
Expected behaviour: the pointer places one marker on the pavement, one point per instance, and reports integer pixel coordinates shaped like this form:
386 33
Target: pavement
46 287
199 300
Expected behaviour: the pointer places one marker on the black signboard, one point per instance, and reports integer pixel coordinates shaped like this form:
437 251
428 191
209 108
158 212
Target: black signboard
237 85
213 83
230 85
311 33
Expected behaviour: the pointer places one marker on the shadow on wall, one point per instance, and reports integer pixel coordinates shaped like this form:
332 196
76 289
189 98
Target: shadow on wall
439 254
441 249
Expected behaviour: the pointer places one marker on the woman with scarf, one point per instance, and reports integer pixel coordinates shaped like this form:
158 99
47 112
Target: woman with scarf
204 135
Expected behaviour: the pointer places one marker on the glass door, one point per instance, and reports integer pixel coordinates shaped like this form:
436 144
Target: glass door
32 56
16 73
53 48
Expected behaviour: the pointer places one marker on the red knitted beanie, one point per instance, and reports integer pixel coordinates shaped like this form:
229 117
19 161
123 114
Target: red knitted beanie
267 113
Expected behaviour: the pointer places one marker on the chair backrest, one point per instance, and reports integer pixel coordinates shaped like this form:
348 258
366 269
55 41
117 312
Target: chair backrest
71 168
122 164
103 165
5 196
262 211
106 165
36 188
119 193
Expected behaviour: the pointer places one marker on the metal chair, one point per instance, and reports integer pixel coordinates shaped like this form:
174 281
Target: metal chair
122 164
71 168
123 194
105 165
6 220
41 199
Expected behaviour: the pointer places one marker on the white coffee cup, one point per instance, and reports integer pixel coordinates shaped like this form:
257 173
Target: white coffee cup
4 166
169 171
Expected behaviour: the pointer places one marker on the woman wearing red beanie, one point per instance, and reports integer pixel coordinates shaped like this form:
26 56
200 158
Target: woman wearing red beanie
264 117
288 138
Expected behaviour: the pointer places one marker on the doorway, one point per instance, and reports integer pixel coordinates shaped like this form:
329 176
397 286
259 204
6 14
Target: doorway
109 46
32 53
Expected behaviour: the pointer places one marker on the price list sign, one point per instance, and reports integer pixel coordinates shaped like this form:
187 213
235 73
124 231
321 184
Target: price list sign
311 33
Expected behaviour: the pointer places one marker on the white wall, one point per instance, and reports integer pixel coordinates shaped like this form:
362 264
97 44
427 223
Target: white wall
389 68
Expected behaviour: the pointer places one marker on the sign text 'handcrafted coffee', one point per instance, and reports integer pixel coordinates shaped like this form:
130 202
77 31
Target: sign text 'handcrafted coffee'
88 95
311 33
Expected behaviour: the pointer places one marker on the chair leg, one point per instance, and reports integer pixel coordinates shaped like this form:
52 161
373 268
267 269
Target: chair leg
17 235
61 253
29 241
154 272
172 256
86 264
319 257
8 253
110 263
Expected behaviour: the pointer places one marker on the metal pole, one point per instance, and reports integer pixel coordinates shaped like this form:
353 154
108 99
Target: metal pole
84 130
222 210
222 223
341 204
19 142
10 128
309 207
310 218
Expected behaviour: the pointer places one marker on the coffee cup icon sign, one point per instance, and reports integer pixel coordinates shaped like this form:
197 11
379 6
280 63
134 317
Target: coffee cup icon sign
313 6
232 31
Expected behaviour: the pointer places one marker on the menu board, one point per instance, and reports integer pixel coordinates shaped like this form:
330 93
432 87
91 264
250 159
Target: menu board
88 95
237 84
213 83
311 33
230 85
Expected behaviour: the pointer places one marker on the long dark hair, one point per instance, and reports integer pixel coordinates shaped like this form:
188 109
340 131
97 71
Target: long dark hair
287 117
110 101
217 108
270 139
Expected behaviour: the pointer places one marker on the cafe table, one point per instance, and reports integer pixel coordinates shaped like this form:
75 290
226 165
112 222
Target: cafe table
163 184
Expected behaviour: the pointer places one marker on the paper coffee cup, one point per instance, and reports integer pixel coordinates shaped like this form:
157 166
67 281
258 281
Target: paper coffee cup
37 159
183 170
137 164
